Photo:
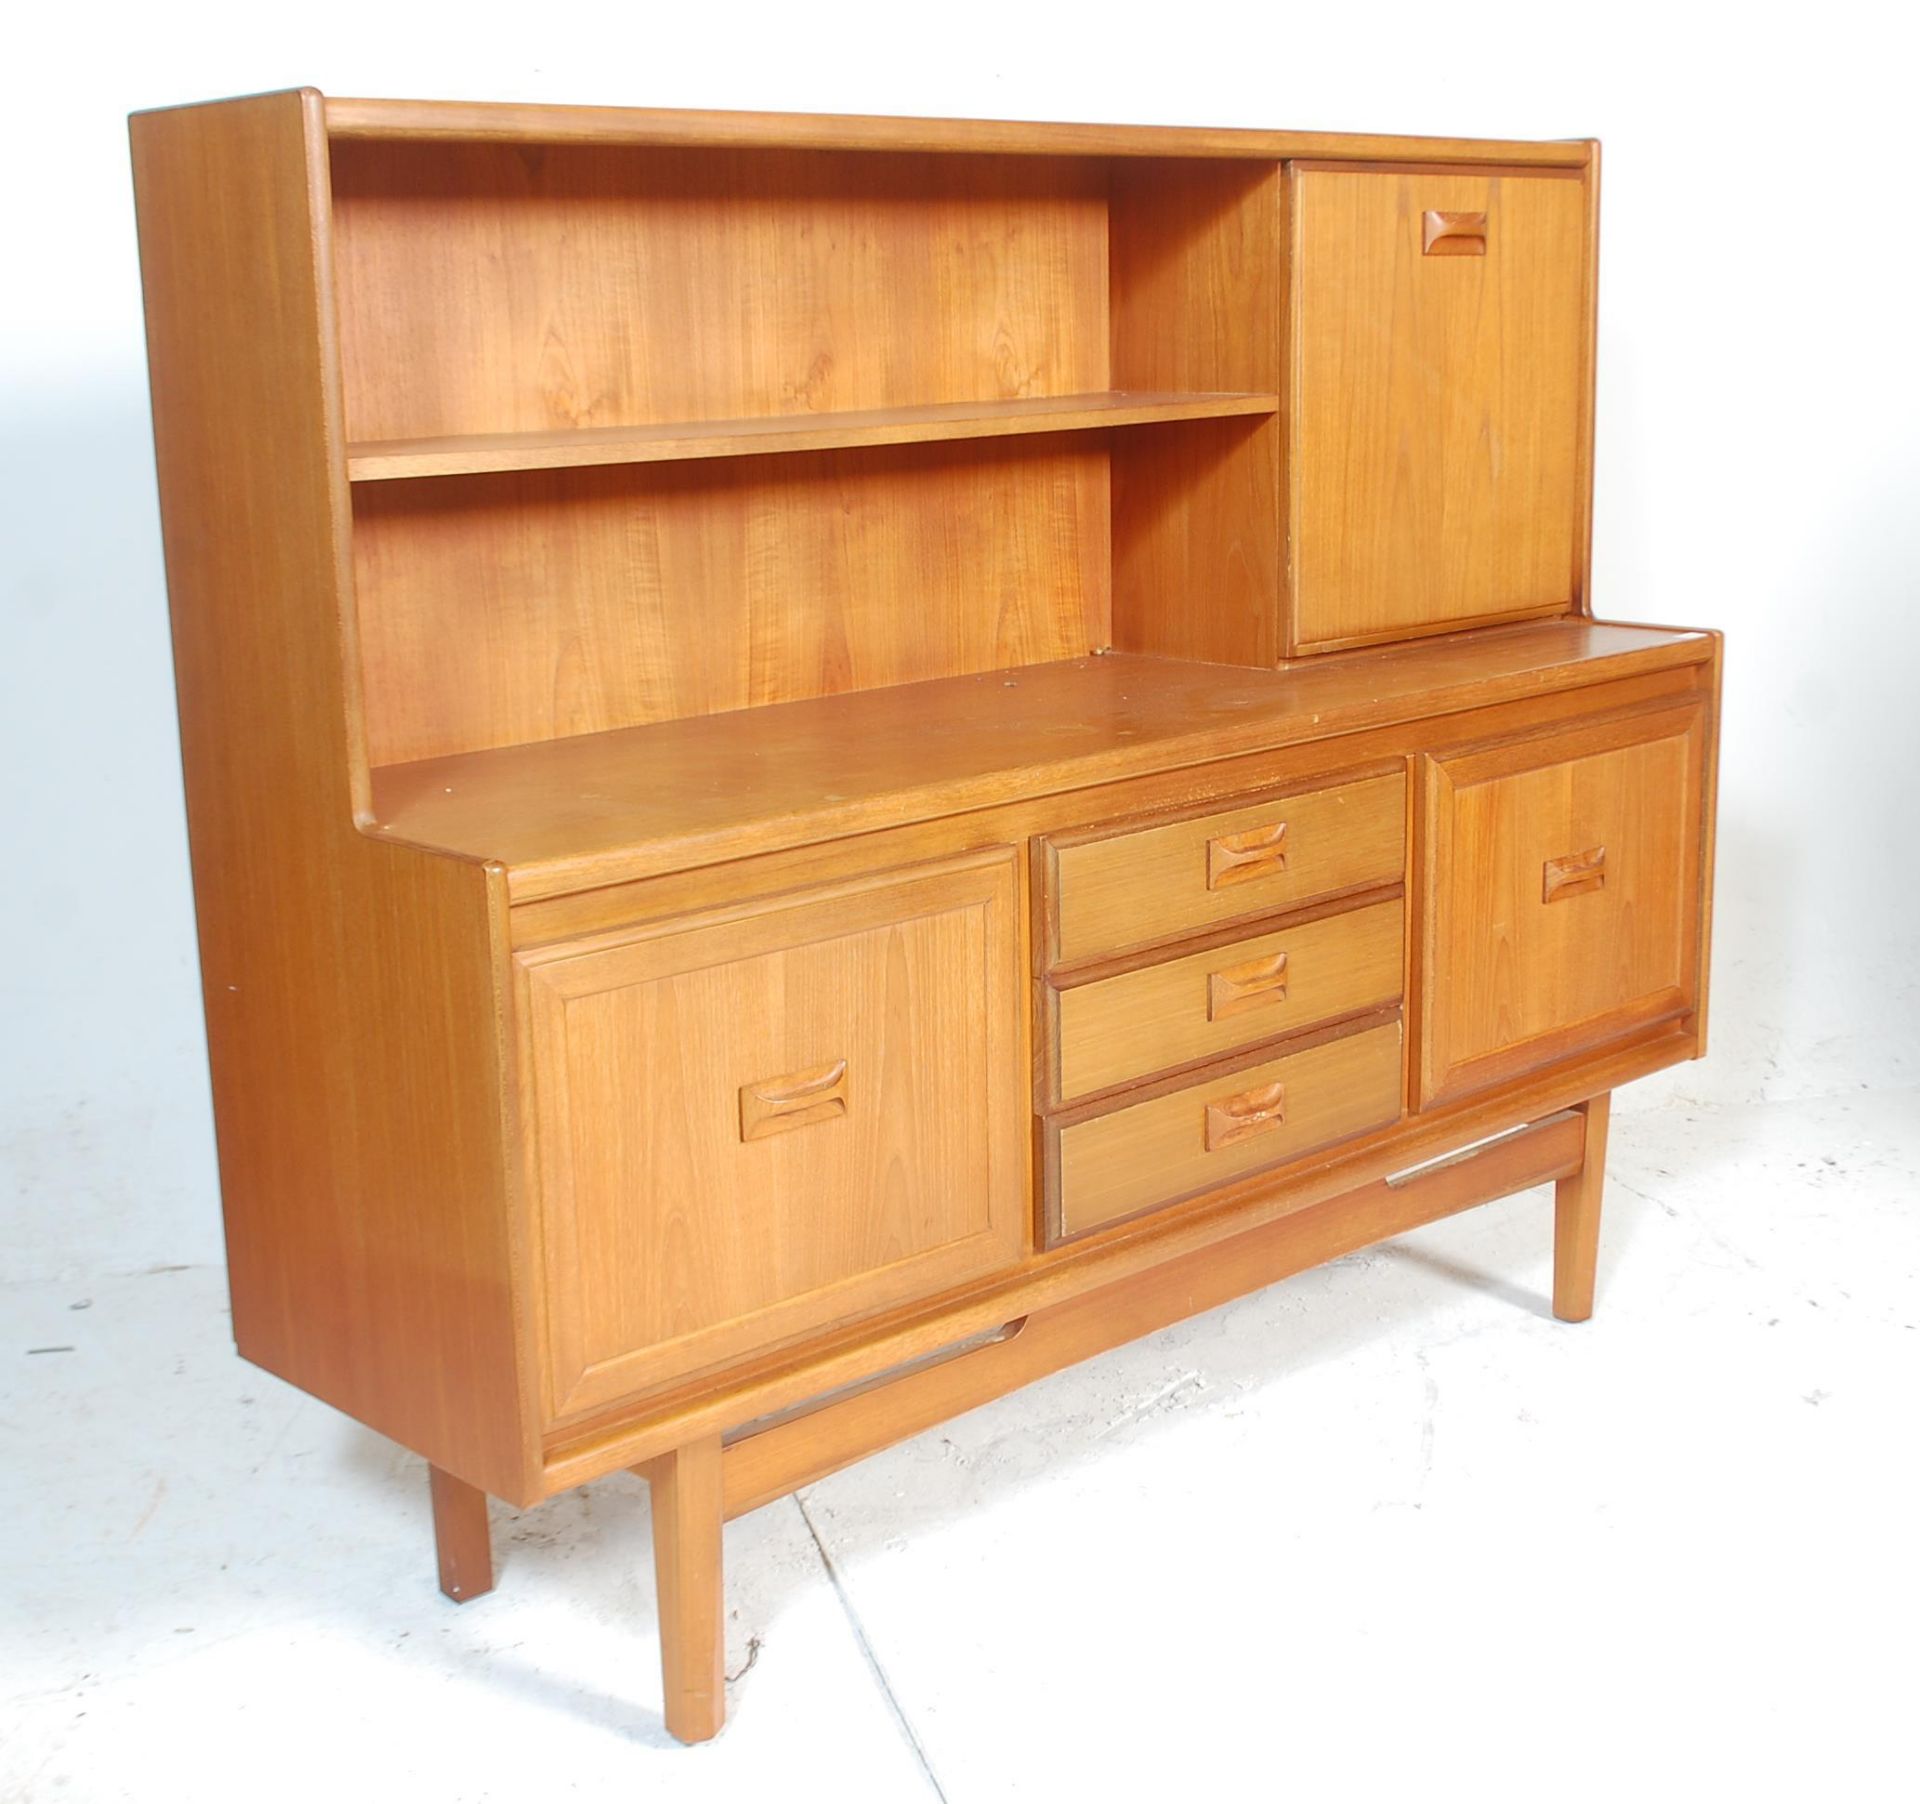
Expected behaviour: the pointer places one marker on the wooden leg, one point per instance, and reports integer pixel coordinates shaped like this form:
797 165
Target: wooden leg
1576 1220
688 1511
460 1535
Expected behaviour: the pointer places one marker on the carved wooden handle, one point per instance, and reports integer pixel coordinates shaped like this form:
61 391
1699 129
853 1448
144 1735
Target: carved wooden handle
1454 234
1232 1118
776 1104
1241 857
1574 875
1241 987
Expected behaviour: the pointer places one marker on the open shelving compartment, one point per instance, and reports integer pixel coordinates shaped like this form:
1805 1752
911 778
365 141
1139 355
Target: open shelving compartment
711 497
640 436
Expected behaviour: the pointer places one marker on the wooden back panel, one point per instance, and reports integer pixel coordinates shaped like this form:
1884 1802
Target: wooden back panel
498 287
503 610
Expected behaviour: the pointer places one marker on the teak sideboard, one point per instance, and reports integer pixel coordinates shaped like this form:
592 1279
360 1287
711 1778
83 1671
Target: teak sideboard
833 763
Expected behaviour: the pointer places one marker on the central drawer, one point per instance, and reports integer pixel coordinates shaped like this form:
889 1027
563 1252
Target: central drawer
1116 1030
1216 1129
1113 892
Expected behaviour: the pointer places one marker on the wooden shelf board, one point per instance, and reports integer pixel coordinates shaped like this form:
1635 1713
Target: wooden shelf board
572 814
442 121
391 459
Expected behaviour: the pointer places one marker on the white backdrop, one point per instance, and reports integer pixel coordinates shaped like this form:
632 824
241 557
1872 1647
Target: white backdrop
1759 389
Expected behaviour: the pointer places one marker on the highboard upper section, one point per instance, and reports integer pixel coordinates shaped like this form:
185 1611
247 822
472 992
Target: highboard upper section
646 416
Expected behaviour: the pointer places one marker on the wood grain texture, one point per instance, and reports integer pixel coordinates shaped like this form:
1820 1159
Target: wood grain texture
625 286
1178 787
1518 974
634 576
1437 403
583 1450
1146 1154
1121 889
443 121
689 1505
1184 1009
463 1542
479 453
511 609
763 1466
1576 1217
353 1019
670 1240
593 811
1195 255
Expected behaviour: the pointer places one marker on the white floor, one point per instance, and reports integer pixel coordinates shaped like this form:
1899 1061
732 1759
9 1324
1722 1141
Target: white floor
1386 1531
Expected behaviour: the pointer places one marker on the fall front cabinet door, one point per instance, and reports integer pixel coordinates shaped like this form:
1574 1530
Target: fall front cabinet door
1563 895
1438 408
766 1121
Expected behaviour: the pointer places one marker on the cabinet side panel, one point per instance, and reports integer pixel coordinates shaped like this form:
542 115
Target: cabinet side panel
1195 252
353 1020
1589 384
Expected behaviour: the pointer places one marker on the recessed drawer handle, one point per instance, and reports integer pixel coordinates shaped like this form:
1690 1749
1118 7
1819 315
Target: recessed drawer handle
776 1104
1232 1118
1241 987
1241 857
1574 875
1454 234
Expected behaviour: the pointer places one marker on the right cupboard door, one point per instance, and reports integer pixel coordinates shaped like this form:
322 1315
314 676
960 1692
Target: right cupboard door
1438 409
1563 892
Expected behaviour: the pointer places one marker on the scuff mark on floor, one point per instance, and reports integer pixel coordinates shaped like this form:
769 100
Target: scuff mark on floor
1163 1399
153 1503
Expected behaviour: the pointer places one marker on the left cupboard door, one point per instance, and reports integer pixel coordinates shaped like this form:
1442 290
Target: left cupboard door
755 1124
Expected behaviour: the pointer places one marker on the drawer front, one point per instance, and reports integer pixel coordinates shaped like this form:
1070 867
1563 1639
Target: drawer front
1565 881
1440 321
1120 1029
750 1126
1127 890
1221 1128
